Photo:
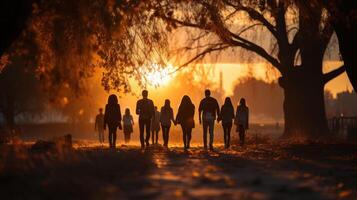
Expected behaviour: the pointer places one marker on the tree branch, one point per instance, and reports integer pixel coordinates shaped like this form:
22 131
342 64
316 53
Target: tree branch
333 74
255 15
201 55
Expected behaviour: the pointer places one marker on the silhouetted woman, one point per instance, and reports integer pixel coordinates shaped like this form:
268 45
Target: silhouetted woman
242 119
166 116
112 118
227 116
184 117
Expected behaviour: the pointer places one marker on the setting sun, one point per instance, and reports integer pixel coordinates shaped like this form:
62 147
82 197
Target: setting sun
159 76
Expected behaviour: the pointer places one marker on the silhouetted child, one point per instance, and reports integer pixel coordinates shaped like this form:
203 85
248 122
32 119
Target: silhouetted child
128 123
155 126
227 116
242 119
112 118
166 116
99 125
184 117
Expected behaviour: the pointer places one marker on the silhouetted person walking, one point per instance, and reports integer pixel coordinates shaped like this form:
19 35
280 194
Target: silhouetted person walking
128 123
99 125
145 110
184 117
208 110
166 116
242 120
112 118
227 116
155 127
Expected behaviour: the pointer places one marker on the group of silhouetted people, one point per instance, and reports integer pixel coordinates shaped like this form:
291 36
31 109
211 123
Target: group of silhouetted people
151 120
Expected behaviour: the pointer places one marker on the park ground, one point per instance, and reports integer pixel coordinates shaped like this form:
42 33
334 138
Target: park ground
263 169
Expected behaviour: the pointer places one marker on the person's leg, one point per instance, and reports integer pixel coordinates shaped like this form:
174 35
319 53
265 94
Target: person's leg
141 130
224 135
110 138
129 137
152 137
229 128
147 127
157 137
184 136
211 129
167 135
102 135
205 129
111 135
125 137
240 129
189 132
243 133
165 132
99 137
114 137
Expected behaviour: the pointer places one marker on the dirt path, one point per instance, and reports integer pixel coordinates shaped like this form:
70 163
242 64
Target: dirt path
242 174
258 171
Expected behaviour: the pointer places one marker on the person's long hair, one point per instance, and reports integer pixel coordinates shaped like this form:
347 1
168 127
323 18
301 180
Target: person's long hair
242 102
167 105
112 100
228 103
186 103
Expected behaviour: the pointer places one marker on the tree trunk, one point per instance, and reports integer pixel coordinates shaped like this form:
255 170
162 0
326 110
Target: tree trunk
304 107
347 42
10 119
344 23
9 113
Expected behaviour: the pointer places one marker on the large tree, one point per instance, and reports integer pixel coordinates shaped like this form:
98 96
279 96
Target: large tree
20 91
300 29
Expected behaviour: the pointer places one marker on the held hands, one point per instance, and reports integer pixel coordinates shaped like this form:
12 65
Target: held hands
120 127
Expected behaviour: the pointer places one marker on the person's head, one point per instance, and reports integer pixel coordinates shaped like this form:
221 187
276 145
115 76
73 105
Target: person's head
242 102
145 94
112 99
100 110
207 93
186 100
127 111
155 108
167 103
228 102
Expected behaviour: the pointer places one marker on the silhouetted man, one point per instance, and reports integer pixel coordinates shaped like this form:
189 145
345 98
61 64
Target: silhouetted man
99 125
145 110
209 109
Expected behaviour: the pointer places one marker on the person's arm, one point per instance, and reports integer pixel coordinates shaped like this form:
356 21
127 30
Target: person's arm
178 115
200 112
120 127
236 117
137 109
132 120
105 117
218 110
96 123
152 108
247 118
232 114
172 116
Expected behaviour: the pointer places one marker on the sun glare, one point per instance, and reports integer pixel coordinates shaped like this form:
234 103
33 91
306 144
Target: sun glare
159 76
